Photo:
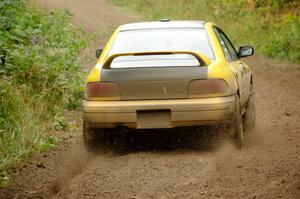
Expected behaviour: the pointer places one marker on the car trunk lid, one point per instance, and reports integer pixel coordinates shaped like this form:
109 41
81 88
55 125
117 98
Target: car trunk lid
153 83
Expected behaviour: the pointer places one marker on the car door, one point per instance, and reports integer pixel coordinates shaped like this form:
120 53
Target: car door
237 65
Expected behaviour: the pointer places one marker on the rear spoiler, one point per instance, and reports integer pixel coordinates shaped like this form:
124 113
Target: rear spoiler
203 60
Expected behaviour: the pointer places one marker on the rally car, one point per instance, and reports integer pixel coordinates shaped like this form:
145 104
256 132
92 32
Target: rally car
168 74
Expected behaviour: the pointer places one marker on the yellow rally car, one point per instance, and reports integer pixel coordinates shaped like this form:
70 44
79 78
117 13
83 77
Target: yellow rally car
169 74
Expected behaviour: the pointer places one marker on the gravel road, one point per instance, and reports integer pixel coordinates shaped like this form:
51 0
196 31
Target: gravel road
178 163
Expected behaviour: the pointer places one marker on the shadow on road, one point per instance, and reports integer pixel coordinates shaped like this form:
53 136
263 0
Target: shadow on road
123 141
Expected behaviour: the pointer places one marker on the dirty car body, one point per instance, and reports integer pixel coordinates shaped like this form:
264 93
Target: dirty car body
167 74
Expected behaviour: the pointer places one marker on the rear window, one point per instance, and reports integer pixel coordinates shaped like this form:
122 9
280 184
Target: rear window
152 40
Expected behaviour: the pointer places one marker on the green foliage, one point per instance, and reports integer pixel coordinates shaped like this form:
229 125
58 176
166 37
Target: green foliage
45 144
40 78
4 179
272 26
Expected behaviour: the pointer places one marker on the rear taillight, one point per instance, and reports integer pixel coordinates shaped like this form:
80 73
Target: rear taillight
102 89
207 86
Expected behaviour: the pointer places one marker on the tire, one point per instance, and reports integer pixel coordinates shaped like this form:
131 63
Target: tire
89 137
237 126
250 114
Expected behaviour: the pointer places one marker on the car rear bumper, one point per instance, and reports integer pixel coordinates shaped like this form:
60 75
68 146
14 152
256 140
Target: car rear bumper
143 114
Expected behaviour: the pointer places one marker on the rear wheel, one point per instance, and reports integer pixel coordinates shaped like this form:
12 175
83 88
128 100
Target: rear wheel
249 116
89 136
237 126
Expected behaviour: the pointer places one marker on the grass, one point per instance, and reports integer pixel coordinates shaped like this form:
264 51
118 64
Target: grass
272 27
40 79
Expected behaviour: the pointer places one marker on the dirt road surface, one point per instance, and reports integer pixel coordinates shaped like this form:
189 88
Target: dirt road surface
181 163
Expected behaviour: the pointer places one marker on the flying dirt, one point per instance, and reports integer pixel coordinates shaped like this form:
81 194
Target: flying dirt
176 163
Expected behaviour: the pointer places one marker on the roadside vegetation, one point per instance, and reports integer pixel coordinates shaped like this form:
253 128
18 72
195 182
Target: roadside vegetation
40 79
271 26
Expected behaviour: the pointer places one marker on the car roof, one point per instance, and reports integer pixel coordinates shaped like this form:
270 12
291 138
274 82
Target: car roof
164 23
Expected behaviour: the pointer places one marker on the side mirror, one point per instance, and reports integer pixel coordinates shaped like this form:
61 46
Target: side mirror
98 53
246 51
